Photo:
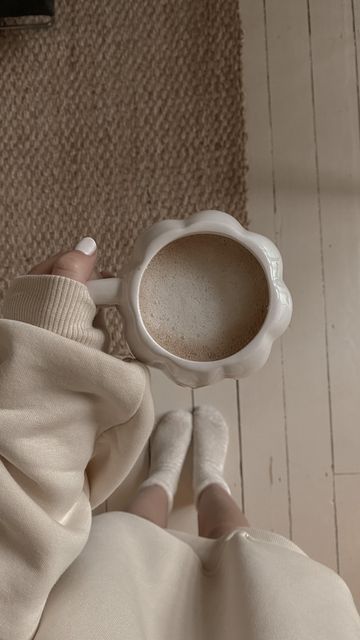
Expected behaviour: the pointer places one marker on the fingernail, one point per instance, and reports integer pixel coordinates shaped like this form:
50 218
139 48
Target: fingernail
87 246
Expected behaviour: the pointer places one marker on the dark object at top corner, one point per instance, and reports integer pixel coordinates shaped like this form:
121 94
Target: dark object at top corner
25 8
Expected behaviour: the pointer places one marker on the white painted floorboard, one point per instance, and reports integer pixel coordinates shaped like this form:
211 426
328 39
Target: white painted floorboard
301 83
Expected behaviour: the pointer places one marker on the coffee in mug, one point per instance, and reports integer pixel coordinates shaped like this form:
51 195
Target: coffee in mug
203 297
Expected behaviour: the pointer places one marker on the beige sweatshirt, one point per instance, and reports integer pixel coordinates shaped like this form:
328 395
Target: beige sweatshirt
73 422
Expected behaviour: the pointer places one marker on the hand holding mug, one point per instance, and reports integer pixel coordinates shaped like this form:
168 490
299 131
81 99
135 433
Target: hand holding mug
78 264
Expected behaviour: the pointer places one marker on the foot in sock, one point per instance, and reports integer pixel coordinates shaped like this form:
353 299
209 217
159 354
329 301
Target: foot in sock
210 442
169 444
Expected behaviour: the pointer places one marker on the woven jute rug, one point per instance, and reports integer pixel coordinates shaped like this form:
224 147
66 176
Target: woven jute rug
123 114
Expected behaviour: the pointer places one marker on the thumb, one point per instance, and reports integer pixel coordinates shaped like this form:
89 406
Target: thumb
79 263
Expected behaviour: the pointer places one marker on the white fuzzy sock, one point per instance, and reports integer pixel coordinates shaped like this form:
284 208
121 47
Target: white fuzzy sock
169 444
210 442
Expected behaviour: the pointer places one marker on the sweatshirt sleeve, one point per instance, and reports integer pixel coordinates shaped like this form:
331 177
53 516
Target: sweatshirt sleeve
73 422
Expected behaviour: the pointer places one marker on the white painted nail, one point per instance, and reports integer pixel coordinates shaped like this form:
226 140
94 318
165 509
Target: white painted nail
87 246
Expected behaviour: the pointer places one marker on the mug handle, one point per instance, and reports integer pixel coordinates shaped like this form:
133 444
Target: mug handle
105 292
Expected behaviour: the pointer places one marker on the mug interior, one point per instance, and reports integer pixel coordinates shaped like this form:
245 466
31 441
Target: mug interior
203 297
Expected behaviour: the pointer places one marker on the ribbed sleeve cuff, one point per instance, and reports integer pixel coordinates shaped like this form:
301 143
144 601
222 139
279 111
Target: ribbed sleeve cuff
56 303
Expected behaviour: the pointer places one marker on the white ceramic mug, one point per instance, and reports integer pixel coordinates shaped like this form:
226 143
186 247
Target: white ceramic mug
124 292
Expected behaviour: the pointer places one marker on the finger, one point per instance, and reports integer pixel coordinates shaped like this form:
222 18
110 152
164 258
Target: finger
75 265
46 266
95 275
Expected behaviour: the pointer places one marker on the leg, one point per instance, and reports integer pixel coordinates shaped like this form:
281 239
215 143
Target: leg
218 513
151 503
169 444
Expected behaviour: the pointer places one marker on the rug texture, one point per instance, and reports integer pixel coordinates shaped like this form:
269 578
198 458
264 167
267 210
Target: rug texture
122 114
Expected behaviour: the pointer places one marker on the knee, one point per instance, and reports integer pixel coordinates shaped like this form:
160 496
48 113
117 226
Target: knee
223 529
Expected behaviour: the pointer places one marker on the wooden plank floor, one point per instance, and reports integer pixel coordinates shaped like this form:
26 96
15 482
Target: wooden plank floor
294 459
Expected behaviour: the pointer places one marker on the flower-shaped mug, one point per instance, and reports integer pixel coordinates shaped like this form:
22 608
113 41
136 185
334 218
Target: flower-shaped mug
146 345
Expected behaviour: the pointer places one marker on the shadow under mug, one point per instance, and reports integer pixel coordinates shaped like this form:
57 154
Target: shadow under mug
124 292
